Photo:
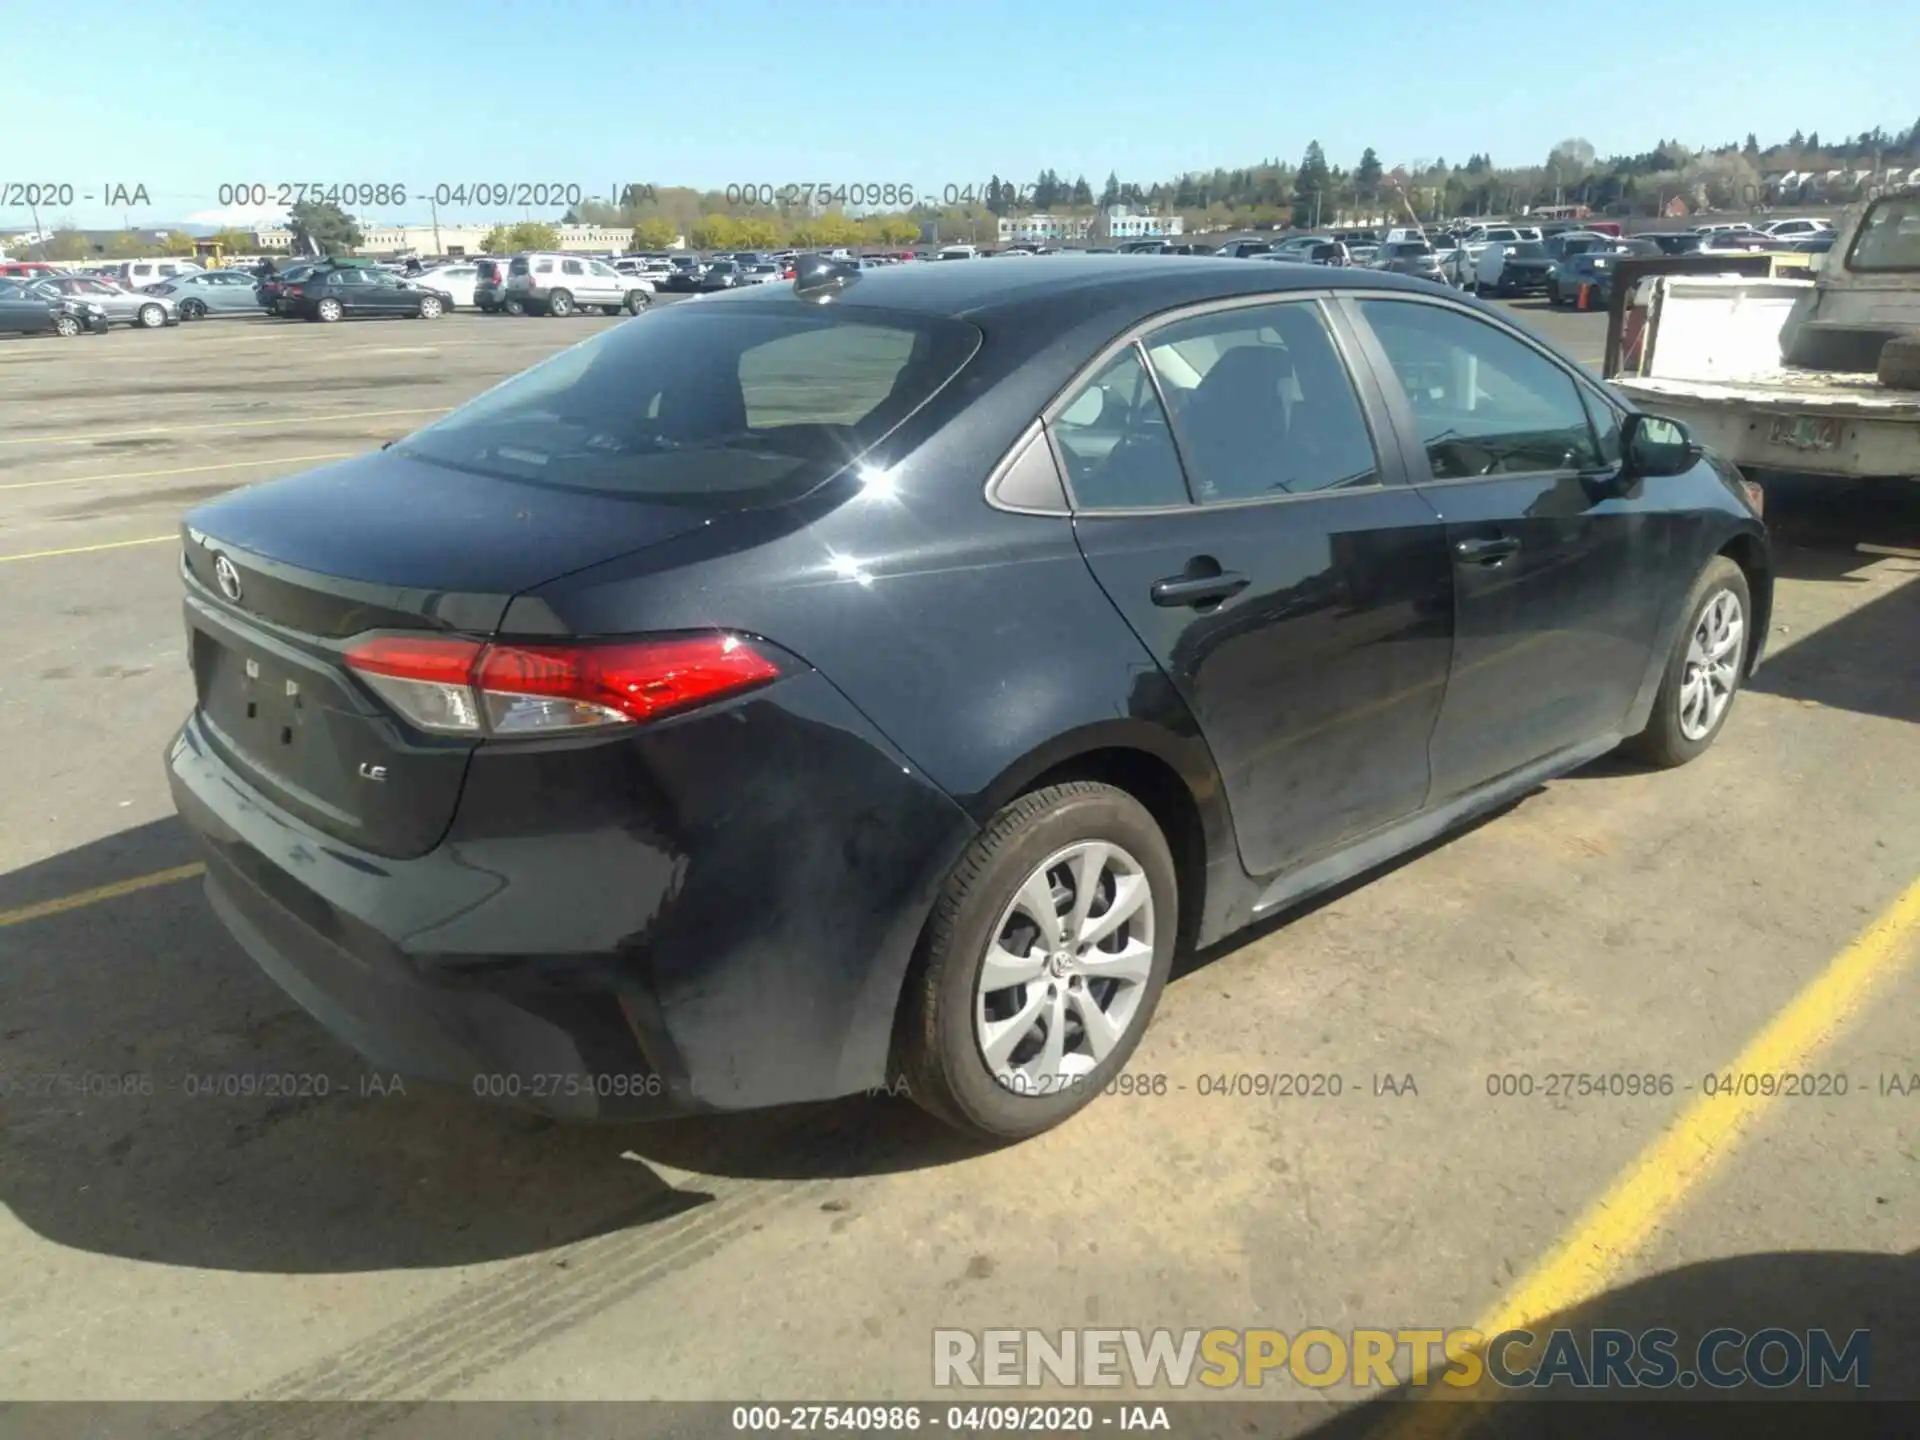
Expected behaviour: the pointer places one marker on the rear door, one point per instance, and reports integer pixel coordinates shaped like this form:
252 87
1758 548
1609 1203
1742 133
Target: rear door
20 311
1239 498
1560 573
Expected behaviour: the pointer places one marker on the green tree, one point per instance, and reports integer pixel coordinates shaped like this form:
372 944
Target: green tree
129 245
67 245
1311 186
178 242
323 226
594 212
654 234
1366 175
526 235
236 241
1110 192
1082 193
715 232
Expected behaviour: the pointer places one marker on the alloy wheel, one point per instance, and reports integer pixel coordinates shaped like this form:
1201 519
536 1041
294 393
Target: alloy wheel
1064 976
1712 670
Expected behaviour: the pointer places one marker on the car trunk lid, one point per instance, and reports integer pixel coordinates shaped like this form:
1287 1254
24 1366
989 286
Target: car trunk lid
280 577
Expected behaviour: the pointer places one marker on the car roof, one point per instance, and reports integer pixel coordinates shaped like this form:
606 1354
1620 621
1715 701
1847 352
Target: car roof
1134 284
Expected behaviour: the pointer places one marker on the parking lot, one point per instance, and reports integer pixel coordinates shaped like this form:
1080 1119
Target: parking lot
198 1244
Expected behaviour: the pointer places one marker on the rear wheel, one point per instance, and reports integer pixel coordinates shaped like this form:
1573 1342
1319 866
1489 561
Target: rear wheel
430 307
1704 671
1042 963
560 303
193 310
151 317
609 309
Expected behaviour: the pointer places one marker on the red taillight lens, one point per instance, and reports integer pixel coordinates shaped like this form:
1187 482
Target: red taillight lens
455 687
295 290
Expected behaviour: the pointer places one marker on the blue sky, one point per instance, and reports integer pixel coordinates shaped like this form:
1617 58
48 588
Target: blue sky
591 92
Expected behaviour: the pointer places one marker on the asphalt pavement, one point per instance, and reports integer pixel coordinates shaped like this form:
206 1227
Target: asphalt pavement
204 1198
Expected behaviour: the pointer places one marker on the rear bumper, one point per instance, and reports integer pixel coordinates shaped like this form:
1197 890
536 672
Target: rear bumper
716 915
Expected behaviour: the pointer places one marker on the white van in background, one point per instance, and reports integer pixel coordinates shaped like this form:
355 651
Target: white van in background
137 274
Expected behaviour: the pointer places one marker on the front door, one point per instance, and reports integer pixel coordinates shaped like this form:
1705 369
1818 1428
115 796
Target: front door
1261 545
1559 571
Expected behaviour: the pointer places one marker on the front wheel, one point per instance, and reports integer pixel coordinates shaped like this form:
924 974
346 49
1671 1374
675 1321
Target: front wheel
1704 670
66 326
328 311
515 306
1042 963
637 301
193 310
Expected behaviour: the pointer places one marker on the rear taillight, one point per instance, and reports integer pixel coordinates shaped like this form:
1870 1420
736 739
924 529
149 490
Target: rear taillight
468 687
294 290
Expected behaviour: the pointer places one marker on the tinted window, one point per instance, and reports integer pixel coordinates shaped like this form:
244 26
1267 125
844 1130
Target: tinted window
1113 436
570 267
1486 402
1889 237
11 291
716 406
1262 403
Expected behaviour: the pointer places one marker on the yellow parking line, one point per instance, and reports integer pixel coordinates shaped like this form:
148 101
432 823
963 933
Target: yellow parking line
83 898
315 416
1653 1187
87 549
184 470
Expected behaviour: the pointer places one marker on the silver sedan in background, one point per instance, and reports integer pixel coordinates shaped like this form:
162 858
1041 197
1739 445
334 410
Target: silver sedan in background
123 307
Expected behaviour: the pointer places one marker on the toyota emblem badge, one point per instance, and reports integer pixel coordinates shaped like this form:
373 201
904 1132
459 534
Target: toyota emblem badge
228 575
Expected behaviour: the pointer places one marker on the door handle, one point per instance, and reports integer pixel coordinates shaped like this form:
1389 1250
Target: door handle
1198 589
1487 552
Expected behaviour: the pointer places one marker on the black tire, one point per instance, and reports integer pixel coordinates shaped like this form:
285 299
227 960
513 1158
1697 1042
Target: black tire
515 306
328 311
1899 367
637 300
560 304
609 309
1664 743
66 326
1553 297
193 310
938 1055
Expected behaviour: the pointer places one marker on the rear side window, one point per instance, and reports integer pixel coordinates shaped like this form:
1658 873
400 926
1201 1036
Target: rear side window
729 406
1262 404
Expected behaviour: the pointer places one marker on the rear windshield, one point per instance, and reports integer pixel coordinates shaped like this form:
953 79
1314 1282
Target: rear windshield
713 404
1527 250
1889 237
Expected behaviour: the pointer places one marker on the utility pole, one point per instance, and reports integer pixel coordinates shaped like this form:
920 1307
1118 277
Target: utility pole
438 248
39 235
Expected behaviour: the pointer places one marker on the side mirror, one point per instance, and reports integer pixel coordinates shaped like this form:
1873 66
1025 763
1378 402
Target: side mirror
1656 446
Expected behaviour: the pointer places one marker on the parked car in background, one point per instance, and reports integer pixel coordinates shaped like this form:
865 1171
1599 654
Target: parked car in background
768 273
723 773
27 269
123 307
454 283
1573 242
1515 267
1240 249
684 277
723 275
560 284
1409 257
1594 269
212 293
134 274
338 292
25 311
270 290
1461 264
1797 229
1673 242
490 285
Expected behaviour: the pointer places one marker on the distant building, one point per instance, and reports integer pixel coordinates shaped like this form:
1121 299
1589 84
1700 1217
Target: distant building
1035 229
455 239
1119 222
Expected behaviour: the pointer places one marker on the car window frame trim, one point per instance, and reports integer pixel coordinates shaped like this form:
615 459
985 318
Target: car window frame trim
1379 420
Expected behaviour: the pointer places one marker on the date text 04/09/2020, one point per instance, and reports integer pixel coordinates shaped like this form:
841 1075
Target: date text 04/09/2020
871 192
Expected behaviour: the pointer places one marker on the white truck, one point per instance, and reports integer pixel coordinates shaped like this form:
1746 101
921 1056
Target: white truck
1816 376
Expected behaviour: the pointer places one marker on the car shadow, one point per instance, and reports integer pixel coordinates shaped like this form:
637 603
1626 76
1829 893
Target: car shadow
1863 662
164 1101
1800 1292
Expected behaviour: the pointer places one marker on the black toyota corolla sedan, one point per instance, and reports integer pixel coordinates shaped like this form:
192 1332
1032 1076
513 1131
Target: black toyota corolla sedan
879 677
